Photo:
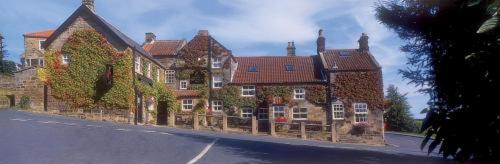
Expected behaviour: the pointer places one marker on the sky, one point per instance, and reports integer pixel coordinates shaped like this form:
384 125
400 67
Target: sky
247 27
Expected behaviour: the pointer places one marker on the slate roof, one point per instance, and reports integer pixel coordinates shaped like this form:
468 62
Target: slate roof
40 34
272 69
349 60
164 47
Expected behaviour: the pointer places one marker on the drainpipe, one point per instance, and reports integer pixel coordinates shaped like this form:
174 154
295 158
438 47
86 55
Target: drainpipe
210 80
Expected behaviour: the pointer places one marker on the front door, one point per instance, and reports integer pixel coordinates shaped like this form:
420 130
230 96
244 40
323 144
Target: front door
139 108
162 114
263 119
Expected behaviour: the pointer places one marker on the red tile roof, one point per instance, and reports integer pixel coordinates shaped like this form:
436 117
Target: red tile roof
40 34
187 93
198 46
272 69
349 60
164 47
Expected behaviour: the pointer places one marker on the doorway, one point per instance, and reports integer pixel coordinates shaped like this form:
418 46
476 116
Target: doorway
162 113
139 108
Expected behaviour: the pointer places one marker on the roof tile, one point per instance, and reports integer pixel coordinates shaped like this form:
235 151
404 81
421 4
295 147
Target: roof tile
40 34
164 47
349 60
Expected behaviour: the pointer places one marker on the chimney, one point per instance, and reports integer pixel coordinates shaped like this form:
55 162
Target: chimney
290 49
320 42
203 33
363 42
89 4
150 38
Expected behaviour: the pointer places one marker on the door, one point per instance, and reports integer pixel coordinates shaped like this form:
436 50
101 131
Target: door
263 119
12 100
162 113
139 108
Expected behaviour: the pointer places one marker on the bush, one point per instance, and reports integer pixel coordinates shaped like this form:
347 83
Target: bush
24 103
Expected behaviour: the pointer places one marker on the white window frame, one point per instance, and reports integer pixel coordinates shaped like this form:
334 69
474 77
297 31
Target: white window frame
217 83
27 62
158 75
360 112
248 90
245 114
300 113
40 46
217 62
187 104
279 113
217 105
170 76
263 114
338 111
181 85
148 71
138 65
299 93
65 59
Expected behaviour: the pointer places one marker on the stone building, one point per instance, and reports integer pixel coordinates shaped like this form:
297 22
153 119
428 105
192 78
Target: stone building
34 48
340 86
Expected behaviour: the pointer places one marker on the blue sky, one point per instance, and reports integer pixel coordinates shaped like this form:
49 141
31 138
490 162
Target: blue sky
251 27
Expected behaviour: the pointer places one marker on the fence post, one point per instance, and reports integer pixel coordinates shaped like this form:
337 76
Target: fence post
254 125
272 128
171 119
196 121
224 123
303 130
333 129
100 114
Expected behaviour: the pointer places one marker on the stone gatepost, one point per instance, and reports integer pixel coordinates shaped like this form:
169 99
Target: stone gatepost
272 128
303 130
333 129
171 119
196 121
254 125
224 123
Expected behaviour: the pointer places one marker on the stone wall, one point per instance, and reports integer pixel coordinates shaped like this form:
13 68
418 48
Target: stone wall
360 87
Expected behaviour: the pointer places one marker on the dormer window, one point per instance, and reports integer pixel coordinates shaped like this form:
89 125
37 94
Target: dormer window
41 44
65 59
289 67
344 53
217 62
252 69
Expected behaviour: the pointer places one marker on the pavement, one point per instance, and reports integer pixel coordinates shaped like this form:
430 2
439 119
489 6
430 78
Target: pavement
39 138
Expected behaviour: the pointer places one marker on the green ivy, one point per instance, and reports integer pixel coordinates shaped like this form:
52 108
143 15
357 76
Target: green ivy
231 97
266 93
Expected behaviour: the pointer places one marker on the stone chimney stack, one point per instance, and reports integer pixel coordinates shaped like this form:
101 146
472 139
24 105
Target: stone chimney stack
150 38
290 49
203 33
320 42
89 4
363 42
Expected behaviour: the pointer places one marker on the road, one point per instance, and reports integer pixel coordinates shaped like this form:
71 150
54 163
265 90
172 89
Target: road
36 138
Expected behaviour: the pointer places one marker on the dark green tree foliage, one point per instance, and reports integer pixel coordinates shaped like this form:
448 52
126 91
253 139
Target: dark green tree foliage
457 67
7 67
398 116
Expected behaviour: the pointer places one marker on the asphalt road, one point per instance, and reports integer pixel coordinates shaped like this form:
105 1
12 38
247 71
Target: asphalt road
36 138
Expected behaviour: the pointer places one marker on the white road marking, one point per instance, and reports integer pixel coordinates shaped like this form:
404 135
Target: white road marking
392 145
96 126
70 124
203 152
149 131
20 119
126 130
165 133
48 122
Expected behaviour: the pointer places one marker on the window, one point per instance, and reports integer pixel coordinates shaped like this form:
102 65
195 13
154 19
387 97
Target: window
360 112
338 111
65 58
299 93
27 62
187 104
184 84
248 90
300 113
279 111
289 67
262 114
170 76
158 75
41 44
217 62
217 82
252 69
217 106
148 71
246 112
40 61
138 65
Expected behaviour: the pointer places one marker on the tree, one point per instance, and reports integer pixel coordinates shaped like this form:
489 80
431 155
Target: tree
7 67
457 66
398 116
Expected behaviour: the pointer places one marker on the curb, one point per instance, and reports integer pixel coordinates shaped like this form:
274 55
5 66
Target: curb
405 134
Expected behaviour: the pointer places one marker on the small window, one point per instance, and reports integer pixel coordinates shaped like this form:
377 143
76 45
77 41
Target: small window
187 104
217 106
252 69
170 76
344 53
158 75
360 112
262 114
279 111
338 111
299 93
248 90
27 62
148 71
246 113
138 65
184 84
41 44
217 82
300 113
217 62
65 59
289 67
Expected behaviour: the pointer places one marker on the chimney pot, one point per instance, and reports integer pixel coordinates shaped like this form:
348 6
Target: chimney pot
203 33
89 4
363 42
150 38
320 42
290 49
